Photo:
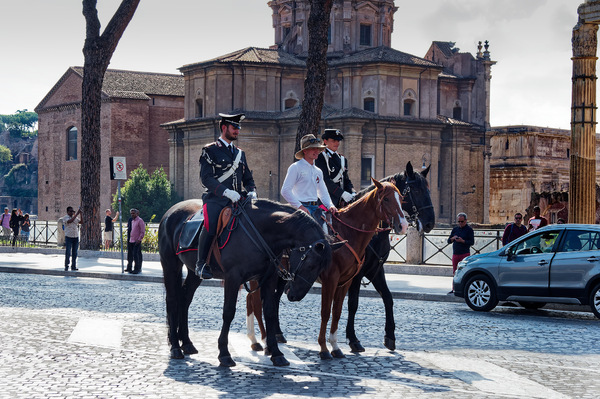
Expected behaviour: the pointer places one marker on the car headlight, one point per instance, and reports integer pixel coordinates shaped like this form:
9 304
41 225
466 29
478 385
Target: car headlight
462 264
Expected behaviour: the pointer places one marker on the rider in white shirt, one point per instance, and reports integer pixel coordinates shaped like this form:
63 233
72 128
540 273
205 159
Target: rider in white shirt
304 186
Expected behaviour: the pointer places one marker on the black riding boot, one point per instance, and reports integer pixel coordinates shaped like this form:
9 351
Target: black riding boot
202 267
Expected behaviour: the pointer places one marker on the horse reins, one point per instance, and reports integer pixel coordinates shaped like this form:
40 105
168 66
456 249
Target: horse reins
262 244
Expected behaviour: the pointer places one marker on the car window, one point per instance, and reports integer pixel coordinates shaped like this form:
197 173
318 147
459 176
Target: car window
581 240
538 243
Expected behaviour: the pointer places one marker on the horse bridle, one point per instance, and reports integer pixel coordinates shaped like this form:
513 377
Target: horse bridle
413 217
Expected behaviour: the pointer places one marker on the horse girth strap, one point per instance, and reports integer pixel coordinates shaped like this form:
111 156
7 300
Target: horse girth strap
359 261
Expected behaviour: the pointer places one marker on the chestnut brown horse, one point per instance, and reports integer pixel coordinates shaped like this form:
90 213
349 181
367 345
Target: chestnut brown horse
356 224
265 229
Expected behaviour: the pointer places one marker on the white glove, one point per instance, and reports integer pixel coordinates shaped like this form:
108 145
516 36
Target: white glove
234 196
347 197
252 195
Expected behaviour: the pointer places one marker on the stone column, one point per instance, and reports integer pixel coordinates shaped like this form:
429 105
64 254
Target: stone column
414 246
582 186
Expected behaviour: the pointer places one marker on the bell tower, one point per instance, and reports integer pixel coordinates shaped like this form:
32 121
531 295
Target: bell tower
355 25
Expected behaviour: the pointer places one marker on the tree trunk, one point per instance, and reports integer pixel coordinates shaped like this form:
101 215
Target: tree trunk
316 69
97 50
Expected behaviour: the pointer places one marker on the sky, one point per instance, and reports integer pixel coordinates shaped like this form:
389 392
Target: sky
529 39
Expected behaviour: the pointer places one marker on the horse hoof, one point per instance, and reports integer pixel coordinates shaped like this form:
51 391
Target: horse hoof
280 339
189 349
177 353
256 347
356 347
338 354
325 356
226 361
267 352
280 361
389 343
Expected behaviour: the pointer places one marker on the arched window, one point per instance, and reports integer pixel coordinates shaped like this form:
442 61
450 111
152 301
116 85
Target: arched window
409 103
72 144
369 104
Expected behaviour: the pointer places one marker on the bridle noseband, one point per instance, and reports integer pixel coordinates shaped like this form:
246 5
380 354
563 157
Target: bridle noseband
291 275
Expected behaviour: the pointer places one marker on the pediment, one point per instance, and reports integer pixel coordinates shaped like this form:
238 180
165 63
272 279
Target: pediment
366 5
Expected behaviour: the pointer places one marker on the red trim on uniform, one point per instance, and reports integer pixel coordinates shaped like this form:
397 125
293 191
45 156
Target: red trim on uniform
228 235
205 217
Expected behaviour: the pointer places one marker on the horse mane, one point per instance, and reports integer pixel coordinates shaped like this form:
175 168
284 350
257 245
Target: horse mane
299 219
397 177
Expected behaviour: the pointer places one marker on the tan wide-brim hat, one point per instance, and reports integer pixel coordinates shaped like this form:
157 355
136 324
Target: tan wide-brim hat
309 141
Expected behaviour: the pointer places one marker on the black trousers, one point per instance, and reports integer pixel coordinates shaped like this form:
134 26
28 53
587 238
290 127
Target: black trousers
134 255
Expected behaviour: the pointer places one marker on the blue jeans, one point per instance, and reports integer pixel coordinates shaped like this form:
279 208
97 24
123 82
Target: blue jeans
72 245
316 212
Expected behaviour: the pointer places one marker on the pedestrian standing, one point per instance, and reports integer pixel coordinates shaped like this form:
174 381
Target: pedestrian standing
461 238
514 230
71 224
537 220
16 218
109 228
136 231
5 222
25 227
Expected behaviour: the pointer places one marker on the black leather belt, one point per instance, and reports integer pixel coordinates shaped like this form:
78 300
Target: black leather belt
313 203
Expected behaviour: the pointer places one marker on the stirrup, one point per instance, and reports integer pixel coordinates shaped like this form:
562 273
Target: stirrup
203 271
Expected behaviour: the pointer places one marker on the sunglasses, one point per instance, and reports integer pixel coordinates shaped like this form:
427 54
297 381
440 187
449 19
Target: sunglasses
462 221
518 217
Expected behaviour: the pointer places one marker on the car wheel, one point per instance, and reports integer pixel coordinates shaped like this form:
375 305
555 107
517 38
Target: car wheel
595 300
480 293
532 305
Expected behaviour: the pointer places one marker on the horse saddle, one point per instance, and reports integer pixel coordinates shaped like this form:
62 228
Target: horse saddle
188 238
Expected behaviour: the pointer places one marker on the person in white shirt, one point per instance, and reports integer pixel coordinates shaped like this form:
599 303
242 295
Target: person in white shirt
304 186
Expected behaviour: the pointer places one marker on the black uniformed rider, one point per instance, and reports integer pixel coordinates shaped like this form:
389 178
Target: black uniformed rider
335 169
225 174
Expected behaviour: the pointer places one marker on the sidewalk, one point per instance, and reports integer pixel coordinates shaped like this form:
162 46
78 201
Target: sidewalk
432 286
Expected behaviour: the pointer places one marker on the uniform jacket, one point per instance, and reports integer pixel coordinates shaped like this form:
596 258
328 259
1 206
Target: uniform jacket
215 160
335 164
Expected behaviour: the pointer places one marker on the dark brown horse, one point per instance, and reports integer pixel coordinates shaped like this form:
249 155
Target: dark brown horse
251 253
419 210
356 223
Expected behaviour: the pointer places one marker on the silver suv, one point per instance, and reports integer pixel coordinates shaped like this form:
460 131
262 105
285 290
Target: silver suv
558 264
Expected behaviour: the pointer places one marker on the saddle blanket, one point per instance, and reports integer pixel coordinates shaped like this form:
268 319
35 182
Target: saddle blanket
189 233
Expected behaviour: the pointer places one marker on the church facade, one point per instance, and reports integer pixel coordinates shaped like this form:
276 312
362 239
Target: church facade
392 107
134 104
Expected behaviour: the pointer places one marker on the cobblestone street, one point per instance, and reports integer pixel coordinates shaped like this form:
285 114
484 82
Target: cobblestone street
77 337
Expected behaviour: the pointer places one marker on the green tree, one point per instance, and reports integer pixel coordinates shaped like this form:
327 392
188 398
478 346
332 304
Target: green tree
23 123
150 194
5 154
97 52
5 159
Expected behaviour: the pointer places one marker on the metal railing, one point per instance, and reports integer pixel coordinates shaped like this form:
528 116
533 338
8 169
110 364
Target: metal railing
45 234
436 250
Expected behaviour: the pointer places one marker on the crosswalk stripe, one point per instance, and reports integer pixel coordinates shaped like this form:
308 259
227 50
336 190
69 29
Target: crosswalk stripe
98 332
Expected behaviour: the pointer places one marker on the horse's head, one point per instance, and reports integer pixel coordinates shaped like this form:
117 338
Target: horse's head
416 197
306 263
389 206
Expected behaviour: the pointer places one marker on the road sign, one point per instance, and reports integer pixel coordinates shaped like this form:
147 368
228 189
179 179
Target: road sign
118 168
